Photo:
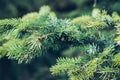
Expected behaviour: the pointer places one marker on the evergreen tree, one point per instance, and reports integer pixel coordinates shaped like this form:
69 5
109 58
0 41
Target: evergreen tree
89 43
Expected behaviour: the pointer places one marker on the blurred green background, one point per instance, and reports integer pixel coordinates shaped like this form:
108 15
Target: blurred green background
63 8
38 69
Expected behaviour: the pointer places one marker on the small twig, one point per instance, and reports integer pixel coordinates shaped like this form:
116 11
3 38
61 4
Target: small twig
44 36
95 3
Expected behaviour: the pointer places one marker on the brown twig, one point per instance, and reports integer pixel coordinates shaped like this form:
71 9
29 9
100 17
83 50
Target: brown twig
44 36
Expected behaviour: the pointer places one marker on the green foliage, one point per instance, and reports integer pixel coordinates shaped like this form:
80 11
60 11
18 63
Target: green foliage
89 43
78 69
95 61
116 60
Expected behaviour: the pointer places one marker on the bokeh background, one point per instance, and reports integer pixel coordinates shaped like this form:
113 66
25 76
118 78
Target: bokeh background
38 69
